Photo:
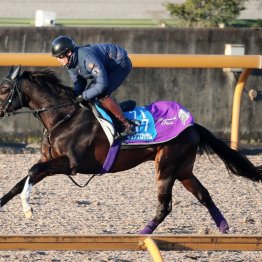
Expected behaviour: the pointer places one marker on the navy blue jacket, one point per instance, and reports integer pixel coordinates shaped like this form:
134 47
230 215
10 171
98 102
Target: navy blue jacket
97 62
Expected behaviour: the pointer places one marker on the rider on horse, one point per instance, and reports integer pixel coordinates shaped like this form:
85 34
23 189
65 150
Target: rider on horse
107 66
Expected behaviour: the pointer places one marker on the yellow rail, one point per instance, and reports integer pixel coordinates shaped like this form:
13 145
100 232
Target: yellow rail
153 243
146 60
247 62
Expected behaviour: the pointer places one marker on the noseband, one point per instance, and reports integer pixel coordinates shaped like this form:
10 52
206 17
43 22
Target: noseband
15 98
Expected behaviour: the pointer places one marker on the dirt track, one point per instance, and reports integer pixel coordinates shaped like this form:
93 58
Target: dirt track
122 204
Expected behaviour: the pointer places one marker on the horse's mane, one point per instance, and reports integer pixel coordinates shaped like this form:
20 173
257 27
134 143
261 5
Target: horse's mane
47 80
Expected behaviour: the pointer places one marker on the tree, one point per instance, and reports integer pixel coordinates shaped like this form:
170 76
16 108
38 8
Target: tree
203 13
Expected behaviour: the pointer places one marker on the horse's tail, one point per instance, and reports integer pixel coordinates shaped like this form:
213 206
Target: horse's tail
236 162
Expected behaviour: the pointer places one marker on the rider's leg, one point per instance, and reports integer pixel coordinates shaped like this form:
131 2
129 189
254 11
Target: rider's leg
110 104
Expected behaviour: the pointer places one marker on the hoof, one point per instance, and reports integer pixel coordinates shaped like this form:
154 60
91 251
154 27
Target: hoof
28 213
223 227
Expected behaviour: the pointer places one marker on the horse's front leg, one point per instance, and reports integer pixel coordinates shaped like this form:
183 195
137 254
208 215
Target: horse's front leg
37 173
25 197
17 189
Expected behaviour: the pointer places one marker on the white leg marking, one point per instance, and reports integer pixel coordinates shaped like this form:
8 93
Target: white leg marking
25 197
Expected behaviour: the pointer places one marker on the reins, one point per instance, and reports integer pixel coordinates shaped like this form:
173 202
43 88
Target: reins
40 110
67 117
81 186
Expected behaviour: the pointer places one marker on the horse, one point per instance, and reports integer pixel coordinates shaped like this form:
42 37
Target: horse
74 142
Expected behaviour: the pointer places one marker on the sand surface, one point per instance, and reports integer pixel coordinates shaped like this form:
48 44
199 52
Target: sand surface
123 203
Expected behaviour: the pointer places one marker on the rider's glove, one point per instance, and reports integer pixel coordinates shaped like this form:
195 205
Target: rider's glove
79 99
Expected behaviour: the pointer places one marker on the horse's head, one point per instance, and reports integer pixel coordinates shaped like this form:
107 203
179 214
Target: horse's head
11 97
39 90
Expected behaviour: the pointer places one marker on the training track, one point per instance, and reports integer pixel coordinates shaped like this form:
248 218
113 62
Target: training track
121 204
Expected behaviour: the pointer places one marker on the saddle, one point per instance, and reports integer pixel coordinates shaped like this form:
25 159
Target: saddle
159 122
108 121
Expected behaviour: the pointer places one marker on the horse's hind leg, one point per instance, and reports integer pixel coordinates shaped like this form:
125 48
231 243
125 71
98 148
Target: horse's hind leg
193 185
166 168
170 161
164 206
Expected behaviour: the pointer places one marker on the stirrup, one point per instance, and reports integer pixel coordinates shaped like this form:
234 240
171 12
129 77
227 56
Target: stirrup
127 132
135 122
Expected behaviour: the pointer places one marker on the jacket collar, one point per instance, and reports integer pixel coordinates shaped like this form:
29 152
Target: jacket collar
73 60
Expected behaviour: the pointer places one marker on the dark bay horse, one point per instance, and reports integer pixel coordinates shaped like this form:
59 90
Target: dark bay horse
74 142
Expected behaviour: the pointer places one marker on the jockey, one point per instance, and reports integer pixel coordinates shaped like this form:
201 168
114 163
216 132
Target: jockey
106 65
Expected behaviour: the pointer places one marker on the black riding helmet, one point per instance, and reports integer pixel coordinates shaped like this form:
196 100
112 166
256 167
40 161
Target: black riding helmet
61 45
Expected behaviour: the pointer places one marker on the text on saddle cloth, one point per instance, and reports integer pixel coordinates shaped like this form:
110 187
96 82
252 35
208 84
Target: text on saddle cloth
169 118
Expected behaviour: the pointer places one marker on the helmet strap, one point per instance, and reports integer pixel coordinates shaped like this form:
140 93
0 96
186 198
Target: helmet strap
69 59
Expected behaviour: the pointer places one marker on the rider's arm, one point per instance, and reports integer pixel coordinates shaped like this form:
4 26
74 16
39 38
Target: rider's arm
100 79
79 82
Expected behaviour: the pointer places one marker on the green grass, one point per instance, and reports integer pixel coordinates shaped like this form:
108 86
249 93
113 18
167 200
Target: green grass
247 23
89 22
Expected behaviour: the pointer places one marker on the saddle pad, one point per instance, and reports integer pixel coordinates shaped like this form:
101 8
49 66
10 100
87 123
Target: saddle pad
146 131
160 121
170 120
106 123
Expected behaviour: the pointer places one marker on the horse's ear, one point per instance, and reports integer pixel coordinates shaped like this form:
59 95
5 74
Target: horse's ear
16 73
11 71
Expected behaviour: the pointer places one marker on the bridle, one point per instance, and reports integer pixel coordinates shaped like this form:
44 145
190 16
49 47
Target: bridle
15 99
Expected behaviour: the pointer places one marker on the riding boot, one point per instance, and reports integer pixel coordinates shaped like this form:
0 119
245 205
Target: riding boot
110 104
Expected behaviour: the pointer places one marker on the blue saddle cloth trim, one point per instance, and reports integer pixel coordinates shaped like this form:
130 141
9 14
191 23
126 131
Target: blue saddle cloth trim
146 131
103 113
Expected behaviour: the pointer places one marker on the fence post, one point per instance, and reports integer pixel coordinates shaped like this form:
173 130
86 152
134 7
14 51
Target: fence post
236 108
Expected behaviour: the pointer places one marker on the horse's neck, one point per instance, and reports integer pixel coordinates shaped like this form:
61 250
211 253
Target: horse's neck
53 118
49 110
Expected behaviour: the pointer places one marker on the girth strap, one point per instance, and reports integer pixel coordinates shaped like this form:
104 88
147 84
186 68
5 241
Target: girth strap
110 158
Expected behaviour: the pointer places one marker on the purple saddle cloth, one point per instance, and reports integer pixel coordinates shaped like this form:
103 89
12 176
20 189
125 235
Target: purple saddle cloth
170 120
